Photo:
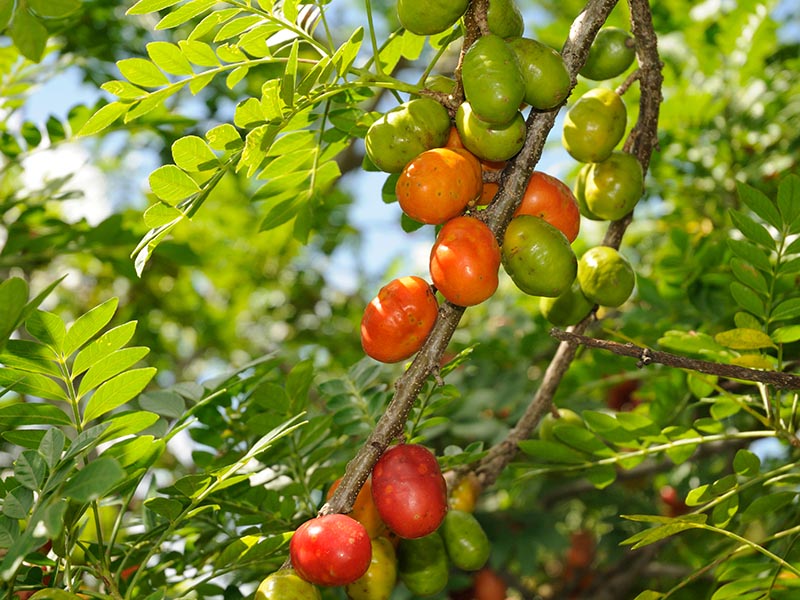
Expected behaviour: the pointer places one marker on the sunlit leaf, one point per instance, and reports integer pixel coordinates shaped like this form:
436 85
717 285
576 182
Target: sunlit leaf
94 480
188 11
89 324
169 58
744 339
142 72
171 184
191 153
110 341
760 204
109 366
116 392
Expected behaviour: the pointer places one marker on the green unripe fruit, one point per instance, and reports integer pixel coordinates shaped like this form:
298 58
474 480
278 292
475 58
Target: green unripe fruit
465 540
441 83
547 80
492 79
605 276
614 186
505 19
405 132
549 422
286 585
422 564
487 141
579 190
611 54
567 309
429 18
538 257
594 125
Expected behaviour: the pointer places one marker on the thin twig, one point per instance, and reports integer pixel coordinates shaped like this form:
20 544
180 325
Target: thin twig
646 356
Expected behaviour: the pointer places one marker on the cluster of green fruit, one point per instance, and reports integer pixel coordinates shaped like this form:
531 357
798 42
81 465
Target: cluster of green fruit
401 528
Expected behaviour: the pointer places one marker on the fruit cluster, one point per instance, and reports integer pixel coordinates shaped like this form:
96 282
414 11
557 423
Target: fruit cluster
440 165
401 526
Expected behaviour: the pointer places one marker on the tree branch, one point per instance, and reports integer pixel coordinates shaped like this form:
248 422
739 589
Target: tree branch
408 386
646 356
641 143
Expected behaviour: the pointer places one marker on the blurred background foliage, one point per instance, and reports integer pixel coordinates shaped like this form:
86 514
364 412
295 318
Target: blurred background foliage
271 324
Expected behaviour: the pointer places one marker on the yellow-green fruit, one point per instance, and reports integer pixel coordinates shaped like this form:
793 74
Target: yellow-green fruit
594 125
428 18
465 540
492 80
605 276
379 580
611 54
549 422
547 81
422 564
405 132
614 186
505 19
286 585
488 141
579 190
441 83
567 309
538 257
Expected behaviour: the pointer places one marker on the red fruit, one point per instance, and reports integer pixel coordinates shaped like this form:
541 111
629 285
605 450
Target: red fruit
675 506
409 490
398 320
330 550
489 585
581 551
364 510
464 261
550 199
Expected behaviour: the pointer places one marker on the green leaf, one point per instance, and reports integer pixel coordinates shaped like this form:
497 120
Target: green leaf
153 101
288 80
13 296
87 325
747 299
346 54
753 230
751 254
789 201
54 9
601 476
30 470
236 27
235 76
142 7
54 594
786 335
161 214
116 392
129 423
169 58
32 413
6 12
690 342
51 446
699 495
184 13
298 382
94 480
165 403
142 72
744 339
760 204
109 366
104 117
749 275
224 137
724 512
166 507
171 184
649 595
552 452
788 309
746 463
764 506
191 153
26 355
18 503
790 266
680 453
32 384
660 532
123 90
24 438
199 53
110 341
28 34
47 328
724 407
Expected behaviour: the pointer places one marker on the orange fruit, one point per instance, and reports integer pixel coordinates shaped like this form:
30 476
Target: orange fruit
464 261
438 185
398 320
550 199
364 510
